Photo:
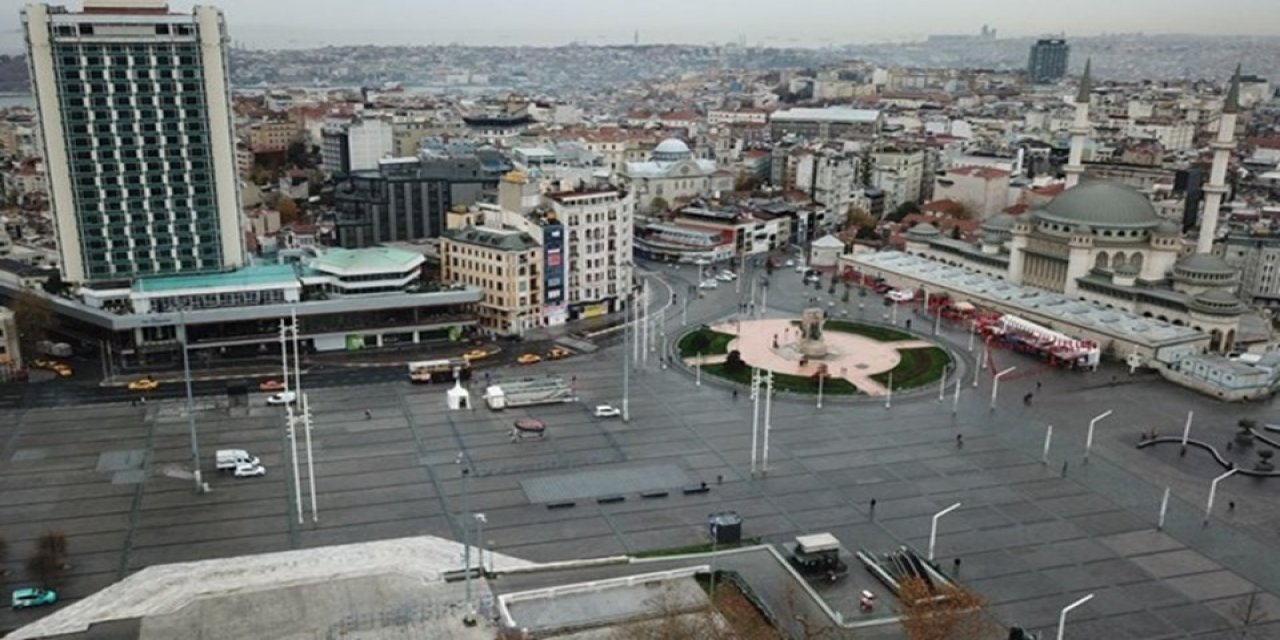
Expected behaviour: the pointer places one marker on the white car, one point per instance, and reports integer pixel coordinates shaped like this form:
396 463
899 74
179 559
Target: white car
246 470
607 411
789 263
284 397
708 284
728 275
724 277
901 295
802 267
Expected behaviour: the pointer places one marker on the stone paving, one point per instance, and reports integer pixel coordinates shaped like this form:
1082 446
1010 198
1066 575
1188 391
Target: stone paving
1032 536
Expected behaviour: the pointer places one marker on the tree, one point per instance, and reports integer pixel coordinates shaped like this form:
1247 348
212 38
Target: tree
288 210
903 210
44 568
4 556
950 612
733 362
699 342
674 618
856 218
659 204
34 316
54 542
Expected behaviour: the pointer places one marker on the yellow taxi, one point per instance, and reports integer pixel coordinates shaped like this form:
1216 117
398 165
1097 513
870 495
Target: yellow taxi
557 352
63 371
145 384
529 358
475 354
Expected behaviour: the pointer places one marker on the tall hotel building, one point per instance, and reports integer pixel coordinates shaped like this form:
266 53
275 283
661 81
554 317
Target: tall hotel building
135 114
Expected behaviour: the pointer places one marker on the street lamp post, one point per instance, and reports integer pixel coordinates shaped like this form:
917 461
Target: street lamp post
888 397
626 362
191 412
820 377
466 531
933 527
995 384
955 398
755 418
1186 431
1062 617
1088 439
289 417
942 384
768 422
972 326
697 368
1213 491
1048 437
982 364
480 520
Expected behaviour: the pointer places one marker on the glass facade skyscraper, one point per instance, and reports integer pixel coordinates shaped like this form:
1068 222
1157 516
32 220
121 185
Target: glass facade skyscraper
1048 60
136 123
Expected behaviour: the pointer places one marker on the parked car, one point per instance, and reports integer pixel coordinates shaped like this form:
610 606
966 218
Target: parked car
284 397
607 411
144 384
33 597
246 470
901 295
529 358
270 385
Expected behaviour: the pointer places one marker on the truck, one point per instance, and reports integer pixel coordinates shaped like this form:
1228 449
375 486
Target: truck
528 392
817 554
229 459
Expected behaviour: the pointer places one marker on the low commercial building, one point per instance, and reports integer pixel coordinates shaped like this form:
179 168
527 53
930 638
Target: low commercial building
827 122
506 265
666 242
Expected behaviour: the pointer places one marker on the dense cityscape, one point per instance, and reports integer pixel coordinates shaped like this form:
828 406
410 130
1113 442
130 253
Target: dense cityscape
968 337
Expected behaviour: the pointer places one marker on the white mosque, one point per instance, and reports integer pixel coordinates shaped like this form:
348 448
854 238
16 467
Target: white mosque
673 173
1097 263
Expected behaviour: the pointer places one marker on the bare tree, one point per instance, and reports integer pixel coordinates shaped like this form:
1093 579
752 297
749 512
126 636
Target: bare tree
1248 612
34 317
947 613
44 568
674 619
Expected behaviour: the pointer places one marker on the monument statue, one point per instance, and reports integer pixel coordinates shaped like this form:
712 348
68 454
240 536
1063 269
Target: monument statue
811 344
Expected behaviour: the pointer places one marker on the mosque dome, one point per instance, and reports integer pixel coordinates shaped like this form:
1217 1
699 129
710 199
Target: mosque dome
923 230
1205 268
999 223
1105 205
1218 302
670 150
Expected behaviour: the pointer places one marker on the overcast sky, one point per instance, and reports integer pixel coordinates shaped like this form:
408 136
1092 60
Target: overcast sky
779 22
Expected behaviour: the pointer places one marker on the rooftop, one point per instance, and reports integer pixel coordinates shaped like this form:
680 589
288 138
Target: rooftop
505 239
827 114
372 260
269 275
1113 322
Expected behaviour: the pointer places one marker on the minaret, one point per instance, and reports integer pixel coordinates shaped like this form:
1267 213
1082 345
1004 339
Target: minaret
1079 129
1222 146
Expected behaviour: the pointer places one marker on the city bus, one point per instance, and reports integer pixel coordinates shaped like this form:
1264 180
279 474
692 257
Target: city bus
443 370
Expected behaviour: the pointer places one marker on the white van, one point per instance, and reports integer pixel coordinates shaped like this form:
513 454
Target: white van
229 459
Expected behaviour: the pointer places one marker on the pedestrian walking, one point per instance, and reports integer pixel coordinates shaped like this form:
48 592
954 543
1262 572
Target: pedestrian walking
1027 399
1231 505
1037 385
959 441
873 505
719 478
735 394
368 415
956 570
1064 468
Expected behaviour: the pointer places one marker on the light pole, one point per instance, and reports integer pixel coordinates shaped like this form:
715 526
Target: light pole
1213 491
942 383
1186 431
972 326
191 412
697 368
995 384
480 520
1164 508
1088 439
460 460
305 405
933 527
1062 617
820 377
289 417
982 364
755 418
1048 437
955 398
888 397
768 420
626 363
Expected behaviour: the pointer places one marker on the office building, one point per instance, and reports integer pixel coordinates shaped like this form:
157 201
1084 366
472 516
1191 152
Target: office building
1048 60
355 145
507 265
405 198
136 122
597 228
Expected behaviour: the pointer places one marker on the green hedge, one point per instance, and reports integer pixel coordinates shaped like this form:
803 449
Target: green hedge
880 334
917 368
785 381
718 343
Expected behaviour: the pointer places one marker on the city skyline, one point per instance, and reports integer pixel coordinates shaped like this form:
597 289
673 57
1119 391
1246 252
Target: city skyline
292 24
